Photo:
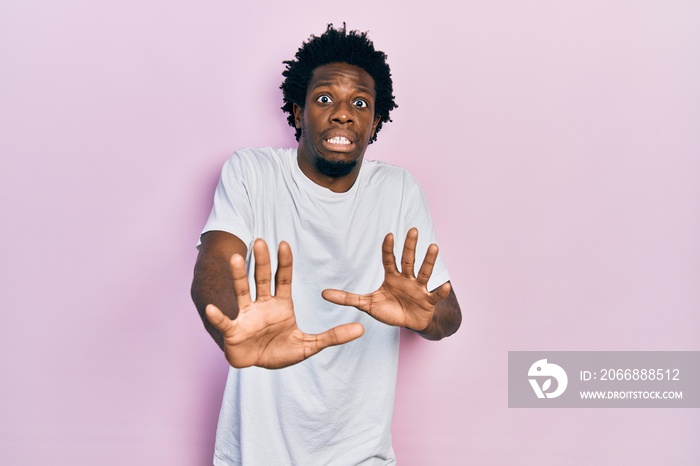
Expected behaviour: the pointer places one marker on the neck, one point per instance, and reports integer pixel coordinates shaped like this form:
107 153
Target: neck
337 184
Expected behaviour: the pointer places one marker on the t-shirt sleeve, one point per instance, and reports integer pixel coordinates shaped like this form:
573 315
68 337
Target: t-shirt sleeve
233 211
417 214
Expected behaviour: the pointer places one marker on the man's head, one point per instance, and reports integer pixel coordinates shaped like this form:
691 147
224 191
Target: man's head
337 46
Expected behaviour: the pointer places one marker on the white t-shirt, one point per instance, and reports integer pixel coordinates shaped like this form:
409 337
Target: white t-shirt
334 408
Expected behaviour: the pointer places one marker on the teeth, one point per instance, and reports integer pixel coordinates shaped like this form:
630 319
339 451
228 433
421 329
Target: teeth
338 140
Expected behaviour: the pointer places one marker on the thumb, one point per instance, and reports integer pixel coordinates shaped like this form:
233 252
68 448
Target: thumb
347 299
217 318
336 336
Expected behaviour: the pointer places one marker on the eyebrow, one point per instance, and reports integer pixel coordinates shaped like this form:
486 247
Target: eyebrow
333 83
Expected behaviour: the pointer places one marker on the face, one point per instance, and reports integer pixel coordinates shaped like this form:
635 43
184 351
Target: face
337 121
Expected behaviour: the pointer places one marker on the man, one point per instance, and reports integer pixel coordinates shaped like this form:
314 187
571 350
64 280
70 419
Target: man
339 214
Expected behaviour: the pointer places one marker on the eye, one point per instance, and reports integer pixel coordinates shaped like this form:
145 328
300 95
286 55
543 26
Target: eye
361 103
324 99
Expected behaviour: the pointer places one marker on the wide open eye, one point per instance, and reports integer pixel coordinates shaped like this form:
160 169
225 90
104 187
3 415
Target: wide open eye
324 99
360 103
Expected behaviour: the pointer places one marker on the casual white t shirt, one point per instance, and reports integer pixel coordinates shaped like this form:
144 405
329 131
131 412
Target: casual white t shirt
334 408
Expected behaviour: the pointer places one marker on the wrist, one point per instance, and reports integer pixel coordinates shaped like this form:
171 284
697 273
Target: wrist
432 330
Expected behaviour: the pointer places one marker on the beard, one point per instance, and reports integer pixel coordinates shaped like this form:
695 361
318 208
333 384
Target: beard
334 168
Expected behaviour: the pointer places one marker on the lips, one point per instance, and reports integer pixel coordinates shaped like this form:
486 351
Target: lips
338 140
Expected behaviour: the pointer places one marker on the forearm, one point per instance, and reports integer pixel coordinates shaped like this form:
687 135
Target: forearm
446 319
212 282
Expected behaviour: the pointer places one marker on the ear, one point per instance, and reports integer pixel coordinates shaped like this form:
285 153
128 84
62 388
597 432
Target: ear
298 113
374 126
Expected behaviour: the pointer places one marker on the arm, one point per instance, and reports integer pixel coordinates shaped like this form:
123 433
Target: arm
212 282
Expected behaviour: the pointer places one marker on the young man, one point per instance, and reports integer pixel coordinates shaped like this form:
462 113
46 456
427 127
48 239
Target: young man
336 212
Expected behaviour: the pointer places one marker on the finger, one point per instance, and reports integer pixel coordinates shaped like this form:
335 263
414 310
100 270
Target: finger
360 301
283 277
426 268
408 257
218 319
388 257
332 337
262 270
441 293
240 280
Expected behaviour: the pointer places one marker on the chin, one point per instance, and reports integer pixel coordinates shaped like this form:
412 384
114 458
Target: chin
335 168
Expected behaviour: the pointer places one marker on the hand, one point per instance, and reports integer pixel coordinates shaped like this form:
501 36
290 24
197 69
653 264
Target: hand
403 299
265 332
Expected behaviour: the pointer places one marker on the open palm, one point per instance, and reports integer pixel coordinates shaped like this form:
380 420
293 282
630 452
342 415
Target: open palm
265 332
403 299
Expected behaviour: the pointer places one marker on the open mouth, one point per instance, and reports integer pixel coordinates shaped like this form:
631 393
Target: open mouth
339 140
338 144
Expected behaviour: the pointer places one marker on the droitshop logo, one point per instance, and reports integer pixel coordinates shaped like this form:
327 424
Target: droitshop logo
540 376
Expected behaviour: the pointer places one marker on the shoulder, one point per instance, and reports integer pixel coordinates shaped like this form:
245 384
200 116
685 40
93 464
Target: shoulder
260 157
252 162
382 174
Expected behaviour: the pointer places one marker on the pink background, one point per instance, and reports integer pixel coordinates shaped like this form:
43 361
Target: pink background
558 143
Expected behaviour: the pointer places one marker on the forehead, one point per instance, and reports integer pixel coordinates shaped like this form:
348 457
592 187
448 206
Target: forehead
342 74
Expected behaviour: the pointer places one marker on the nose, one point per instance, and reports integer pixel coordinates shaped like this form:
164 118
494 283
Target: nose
342 113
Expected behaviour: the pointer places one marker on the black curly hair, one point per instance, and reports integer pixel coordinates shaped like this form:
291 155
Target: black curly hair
337 46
